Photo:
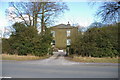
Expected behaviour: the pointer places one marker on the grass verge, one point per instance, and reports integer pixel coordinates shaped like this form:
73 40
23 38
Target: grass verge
92 59
22 58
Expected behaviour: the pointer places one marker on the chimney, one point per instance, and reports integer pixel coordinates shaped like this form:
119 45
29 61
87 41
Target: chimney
68 23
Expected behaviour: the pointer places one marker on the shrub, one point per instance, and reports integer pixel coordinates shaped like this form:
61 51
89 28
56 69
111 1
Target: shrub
97 42
26 40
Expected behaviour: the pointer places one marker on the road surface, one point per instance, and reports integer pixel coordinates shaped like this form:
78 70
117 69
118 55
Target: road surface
57 67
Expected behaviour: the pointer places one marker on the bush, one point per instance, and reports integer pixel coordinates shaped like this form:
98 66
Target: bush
97 42
26 40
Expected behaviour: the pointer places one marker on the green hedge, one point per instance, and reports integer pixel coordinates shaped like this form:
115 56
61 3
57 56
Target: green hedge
26 40
97 42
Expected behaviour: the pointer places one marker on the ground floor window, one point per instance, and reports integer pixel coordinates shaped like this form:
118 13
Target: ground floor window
68 41
53 42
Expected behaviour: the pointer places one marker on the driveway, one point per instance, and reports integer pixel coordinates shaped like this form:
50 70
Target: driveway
57 67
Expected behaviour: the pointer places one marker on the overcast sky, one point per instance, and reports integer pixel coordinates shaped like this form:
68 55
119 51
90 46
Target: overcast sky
80 13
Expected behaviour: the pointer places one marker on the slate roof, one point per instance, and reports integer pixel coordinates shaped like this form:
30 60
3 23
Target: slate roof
62 26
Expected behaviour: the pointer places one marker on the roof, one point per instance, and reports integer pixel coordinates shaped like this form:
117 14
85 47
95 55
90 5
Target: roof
63 26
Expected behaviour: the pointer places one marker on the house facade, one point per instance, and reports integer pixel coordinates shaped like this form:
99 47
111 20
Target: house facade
63 35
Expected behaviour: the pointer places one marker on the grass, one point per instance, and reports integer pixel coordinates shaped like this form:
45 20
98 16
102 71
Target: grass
22 58
71 58
93 60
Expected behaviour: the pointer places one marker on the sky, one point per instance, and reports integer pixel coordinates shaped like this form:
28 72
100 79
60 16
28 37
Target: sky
79 13
3 20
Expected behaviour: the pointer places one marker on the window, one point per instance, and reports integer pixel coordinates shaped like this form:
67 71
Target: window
68 33
53 42
53 33
68 41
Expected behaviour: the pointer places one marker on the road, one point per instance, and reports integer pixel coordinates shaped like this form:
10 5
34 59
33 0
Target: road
57 67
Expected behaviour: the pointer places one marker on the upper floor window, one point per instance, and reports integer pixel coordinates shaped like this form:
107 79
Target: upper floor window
68 33
53 33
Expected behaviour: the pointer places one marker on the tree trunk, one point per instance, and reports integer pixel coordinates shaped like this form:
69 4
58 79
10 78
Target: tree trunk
42 20
35 22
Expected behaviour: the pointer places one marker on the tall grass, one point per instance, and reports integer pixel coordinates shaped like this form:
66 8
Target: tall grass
93 59
21 58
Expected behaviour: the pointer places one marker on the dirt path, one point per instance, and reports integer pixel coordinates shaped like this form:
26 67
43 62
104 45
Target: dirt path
56 59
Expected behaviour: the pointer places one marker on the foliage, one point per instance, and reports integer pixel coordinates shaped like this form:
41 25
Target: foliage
97 42
26 40
5 45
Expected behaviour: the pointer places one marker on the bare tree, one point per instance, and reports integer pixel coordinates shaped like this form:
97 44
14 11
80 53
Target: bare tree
34 13
109 12
96 24
49 11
